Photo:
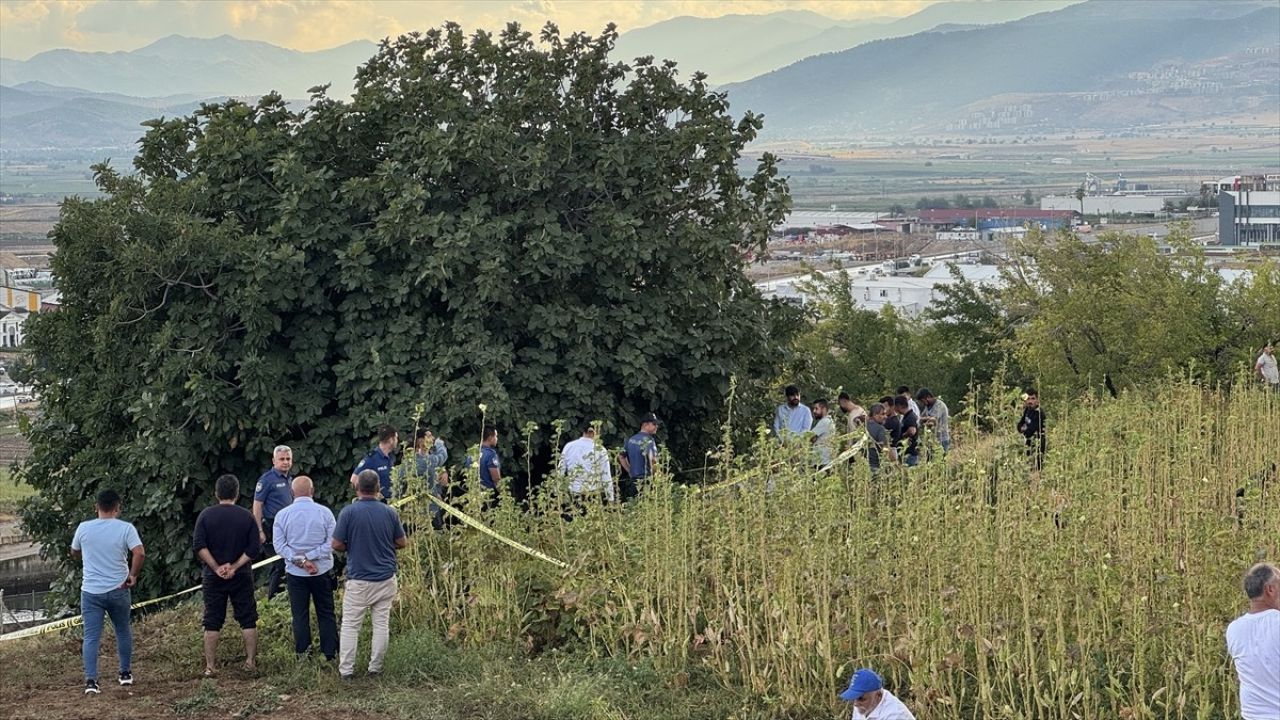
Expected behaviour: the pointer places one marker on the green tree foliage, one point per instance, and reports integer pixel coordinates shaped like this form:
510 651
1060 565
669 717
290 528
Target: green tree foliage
1118 313
1028 198
971 332
493 219
931 203
864 352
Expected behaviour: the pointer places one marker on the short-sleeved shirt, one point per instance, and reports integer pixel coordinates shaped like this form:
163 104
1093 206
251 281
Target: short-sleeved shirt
641 450
1253 641
227 532
380 463
879 441
939 412
369 529
1269 368
104 544
911 443
824 432
275 491
489 459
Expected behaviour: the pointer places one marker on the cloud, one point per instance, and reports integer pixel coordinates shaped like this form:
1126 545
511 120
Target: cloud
31 26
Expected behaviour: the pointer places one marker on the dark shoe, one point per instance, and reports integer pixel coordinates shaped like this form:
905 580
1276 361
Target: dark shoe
346 678
375 674
126 678
91 687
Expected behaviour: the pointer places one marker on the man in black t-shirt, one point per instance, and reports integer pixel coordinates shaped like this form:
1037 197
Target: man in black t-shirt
907 435
226 541
1031 425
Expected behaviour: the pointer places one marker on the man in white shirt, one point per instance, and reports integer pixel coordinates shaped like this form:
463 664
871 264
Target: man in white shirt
871 701
824 433
1253 640
586 465
1267 368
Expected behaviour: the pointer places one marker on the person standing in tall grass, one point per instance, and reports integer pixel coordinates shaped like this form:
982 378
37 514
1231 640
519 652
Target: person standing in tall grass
1253 640
854 414
792 418
1267 368
380 459
638 457
586 465
1031 425
907 436
880 444
936 416
824 433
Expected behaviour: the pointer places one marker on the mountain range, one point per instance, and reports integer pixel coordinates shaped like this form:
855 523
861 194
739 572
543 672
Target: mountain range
173 65
1096 64
969 67
733 48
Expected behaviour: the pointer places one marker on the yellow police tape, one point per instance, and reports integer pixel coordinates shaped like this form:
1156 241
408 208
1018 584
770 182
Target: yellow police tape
841 458
78 619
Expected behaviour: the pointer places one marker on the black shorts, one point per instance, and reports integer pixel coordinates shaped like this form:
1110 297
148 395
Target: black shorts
238 590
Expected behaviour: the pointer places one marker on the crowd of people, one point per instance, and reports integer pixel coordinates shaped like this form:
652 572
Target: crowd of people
895 426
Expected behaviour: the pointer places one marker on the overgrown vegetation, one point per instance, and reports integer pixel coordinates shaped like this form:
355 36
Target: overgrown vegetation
491 219
1099 588
1071 315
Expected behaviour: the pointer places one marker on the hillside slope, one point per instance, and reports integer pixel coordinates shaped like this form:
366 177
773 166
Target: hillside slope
926 81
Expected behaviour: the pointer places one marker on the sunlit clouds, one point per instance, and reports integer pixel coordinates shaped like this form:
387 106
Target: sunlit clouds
28 27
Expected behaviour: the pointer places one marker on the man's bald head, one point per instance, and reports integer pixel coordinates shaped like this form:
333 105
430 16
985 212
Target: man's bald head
302 486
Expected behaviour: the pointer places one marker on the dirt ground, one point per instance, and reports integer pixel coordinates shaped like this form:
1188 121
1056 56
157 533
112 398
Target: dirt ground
42 678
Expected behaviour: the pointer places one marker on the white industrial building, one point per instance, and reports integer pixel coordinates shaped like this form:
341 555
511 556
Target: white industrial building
1109 204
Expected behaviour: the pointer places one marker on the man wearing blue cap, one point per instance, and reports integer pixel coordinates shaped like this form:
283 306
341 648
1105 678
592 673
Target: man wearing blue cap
871 701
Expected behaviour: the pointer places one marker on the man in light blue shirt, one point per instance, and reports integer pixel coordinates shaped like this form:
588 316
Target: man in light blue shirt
792 419
303 535
113 556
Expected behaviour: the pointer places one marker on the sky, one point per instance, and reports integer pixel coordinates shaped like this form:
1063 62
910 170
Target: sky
28 27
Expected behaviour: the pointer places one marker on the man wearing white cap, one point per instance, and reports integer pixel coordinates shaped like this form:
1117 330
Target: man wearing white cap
871 701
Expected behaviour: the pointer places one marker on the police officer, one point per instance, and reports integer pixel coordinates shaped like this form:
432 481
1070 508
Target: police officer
638 457
273 493
379 460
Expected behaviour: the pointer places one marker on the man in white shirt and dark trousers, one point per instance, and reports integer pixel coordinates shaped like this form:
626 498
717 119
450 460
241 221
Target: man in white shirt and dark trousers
1253 640
871 701
302 536
586 465
113 556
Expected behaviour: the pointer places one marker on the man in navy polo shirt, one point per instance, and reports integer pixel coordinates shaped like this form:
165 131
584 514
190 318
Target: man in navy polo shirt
639 456
380 459
272 494
490 465
370 533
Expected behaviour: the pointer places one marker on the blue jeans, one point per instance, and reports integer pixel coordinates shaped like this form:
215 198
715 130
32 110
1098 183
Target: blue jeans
911 460
945 443
95 608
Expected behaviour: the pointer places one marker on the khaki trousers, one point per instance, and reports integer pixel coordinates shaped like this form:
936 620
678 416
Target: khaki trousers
375 597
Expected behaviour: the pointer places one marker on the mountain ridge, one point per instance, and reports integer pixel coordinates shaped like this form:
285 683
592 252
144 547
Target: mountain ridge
926 81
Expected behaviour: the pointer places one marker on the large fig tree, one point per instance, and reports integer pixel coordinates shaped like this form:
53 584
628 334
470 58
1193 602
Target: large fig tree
519 222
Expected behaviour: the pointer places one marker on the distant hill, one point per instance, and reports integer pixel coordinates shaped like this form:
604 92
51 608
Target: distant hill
40 116
201 66
1149 61
737 47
